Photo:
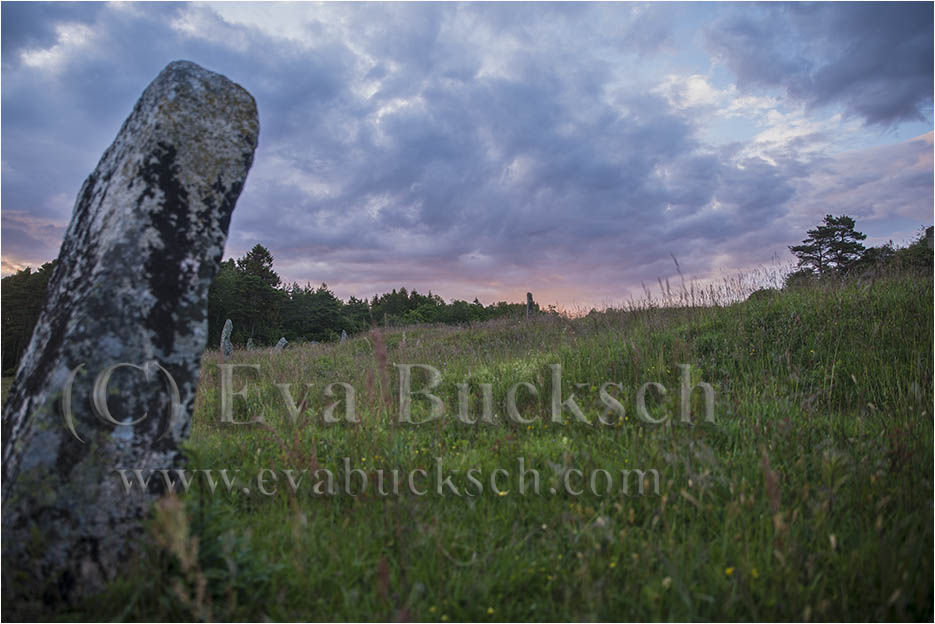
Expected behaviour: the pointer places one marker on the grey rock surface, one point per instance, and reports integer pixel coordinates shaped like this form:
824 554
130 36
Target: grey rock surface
226 347
130 286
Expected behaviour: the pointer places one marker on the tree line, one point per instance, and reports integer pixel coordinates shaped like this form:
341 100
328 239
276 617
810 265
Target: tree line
23 295
250 293
262 308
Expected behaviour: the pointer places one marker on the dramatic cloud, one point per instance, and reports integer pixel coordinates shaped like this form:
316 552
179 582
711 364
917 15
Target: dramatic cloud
483 150
887 189
873 58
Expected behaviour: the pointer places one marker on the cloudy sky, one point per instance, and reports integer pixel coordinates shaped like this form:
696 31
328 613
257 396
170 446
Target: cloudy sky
483 150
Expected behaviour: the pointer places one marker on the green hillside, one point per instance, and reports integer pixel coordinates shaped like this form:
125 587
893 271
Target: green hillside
809 496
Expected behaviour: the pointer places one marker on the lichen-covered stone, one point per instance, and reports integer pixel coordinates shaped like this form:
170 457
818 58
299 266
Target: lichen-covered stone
281 344
343 335
226 347
130 286
250 344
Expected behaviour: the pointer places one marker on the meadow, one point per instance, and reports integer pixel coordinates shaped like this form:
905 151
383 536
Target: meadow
807 496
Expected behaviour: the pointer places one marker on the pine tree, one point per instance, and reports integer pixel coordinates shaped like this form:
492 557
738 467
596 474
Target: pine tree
259 263
258 299
832 247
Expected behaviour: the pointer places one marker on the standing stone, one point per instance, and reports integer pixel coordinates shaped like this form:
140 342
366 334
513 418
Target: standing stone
281 344
250 343
528 304
130 288
226 347
343 336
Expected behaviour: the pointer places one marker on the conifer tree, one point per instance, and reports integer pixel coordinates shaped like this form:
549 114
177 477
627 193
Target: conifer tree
832 247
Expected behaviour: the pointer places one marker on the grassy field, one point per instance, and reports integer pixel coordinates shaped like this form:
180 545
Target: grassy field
808 497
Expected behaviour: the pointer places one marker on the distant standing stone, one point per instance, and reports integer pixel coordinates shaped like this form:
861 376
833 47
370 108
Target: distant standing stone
281 344
130 288
528 303
250 344
343 336
226 347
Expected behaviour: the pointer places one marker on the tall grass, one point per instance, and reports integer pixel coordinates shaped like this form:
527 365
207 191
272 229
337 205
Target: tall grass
809 497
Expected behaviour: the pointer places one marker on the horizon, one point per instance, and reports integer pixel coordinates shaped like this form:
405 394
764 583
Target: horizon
485 151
